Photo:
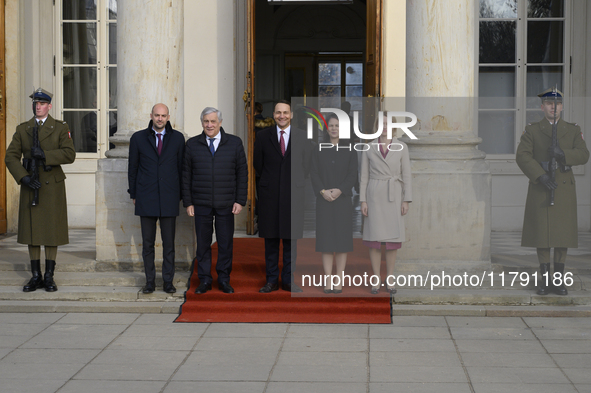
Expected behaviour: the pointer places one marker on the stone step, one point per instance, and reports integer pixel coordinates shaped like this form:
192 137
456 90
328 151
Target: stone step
489 311
500 267
488 297
88 265
138 266
406 302
36 306
91 294
108 279
403 296
580 282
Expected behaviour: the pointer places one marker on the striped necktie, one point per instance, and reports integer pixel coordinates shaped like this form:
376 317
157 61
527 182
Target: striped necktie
282 143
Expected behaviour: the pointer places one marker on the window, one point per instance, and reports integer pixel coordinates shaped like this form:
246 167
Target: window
523 51
86 70
338 79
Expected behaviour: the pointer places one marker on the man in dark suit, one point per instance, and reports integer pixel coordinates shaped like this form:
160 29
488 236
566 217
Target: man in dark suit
215 183
154 174
277 151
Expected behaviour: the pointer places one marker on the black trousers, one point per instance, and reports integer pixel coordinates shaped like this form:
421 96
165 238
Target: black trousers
167 232
224 231
290 247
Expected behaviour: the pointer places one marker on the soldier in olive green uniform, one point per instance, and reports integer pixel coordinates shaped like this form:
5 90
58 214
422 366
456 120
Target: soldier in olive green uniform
46 223
546 226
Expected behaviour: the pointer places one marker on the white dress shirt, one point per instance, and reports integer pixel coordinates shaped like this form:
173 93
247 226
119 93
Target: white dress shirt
156 135
285 136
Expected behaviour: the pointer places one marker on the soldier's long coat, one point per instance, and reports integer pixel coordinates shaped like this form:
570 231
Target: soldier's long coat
47 223
546 226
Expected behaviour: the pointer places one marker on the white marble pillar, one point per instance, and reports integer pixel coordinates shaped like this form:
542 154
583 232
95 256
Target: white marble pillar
449 221
149 71
150 66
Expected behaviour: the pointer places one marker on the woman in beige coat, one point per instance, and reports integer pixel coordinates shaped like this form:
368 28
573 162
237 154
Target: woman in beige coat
385 194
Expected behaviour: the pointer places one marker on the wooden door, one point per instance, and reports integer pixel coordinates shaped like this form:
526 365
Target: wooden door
2 126
249 109
373 49
373 62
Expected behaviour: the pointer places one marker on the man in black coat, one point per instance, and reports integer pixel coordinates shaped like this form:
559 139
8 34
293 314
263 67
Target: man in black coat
215 183
154 174
282 161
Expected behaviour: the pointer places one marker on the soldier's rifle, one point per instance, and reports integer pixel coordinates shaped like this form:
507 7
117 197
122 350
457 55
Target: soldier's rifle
553 162
34 161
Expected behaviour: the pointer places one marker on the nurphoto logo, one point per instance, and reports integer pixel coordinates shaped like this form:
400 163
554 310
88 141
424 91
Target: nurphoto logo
345 127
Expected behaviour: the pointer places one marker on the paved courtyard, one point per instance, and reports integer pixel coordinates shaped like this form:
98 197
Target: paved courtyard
77 352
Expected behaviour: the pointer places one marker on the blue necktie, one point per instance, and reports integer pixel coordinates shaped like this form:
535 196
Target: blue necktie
211 147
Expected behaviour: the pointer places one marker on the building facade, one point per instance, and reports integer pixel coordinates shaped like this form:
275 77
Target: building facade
109 61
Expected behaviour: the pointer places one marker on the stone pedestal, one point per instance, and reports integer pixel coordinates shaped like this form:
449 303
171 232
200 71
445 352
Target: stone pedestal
149 71
118 232
448 226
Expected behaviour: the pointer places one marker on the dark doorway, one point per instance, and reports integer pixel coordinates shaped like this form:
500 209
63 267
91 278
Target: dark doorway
292 41
290 45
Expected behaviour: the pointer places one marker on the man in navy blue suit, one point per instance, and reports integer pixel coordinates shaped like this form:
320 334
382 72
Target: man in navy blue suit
215 183
154 175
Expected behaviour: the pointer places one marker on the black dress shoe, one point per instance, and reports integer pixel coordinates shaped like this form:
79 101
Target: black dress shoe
544 289
148 288
36 281
560 289
168 287
375 291
327 291
293 288
337 291
225 287
202 288
50 285
269 288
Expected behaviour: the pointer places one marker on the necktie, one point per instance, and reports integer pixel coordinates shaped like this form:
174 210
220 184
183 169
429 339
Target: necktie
159 135
40 123
211 147
282 143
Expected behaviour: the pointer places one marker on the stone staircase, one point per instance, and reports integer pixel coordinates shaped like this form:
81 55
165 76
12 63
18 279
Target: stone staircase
86 285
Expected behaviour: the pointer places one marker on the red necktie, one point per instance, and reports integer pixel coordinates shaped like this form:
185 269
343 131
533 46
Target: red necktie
282 143
159 135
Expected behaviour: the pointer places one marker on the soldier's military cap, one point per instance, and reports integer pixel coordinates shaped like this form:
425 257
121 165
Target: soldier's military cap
41 95
550 94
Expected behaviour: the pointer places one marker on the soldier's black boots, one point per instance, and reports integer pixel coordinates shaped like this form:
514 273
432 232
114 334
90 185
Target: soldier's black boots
36 281
544 289
49 283
560 289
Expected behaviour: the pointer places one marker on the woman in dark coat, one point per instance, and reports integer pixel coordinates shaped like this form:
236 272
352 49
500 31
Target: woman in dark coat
334 173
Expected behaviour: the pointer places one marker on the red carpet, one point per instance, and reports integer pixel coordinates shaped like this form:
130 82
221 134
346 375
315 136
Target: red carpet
354 305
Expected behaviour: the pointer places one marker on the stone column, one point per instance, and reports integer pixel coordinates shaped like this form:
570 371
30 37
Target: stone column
149 70
449 222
